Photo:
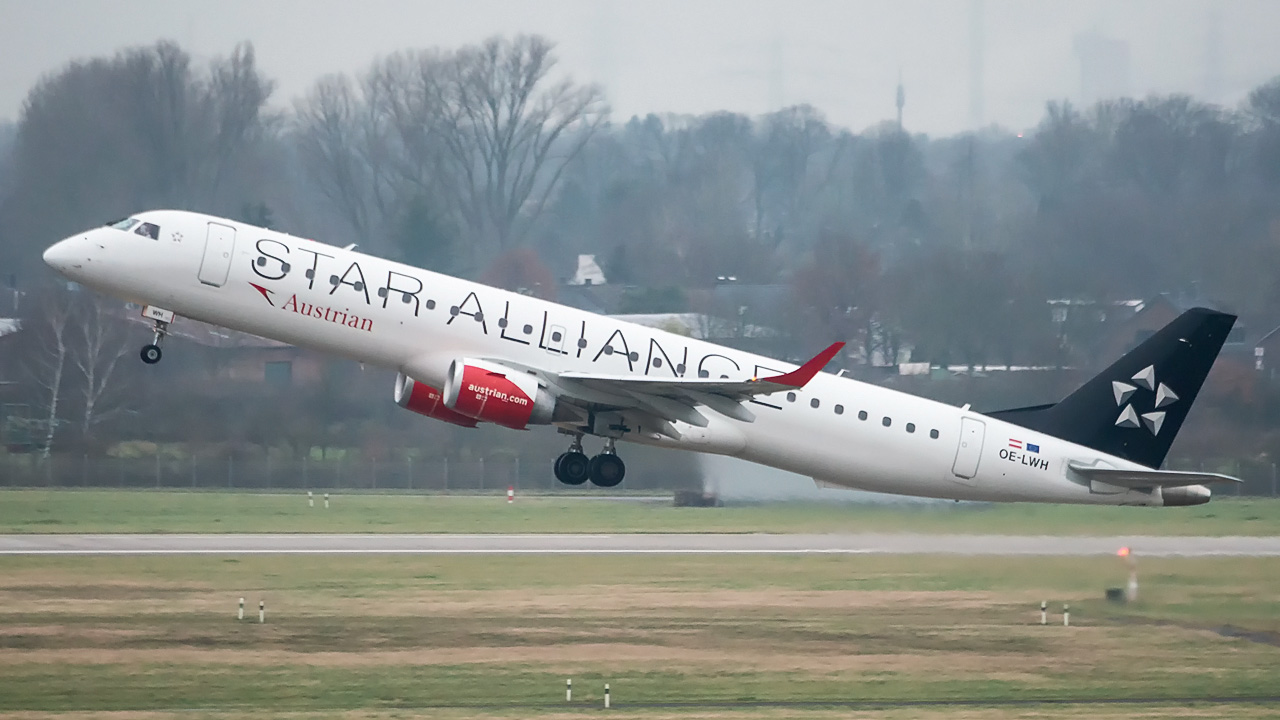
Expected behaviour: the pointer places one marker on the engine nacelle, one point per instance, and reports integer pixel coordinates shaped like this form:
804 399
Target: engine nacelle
1185 495
495 393
426 400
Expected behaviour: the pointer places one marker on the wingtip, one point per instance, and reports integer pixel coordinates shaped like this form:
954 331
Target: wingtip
803 374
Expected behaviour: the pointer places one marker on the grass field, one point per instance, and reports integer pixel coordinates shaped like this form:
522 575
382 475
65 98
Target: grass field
449 636
46 511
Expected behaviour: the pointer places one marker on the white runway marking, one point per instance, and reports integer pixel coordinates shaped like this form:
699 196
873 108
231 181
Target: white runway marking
430 551
633 544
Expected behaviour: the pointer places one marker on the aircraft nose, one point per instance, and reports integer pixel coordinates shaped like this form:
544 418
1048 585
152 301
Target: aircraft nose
63 256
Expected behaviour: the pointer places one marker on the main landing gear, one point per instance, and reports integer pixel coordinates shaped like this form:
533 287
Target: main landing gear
603 470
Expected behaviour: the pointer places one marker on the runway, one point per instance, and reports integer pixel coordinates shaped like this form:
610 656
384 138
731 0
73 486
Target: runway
622 544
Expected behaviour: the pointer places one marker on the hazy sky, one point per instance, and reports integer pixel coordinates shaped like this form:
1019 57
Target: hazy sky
693 56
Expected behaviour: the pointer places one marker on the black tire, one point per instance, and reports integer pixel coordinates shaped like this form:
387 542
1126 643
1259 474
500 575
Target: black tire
607 470
573 468
151 354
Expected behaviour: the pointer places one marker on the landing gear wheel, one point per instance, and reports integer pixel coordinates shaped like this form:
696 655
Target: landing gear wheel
573 468
151 354
607 470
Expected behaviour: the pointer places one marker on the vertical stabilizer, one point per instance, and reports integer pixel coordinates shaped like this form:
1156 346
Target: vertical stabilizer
1135 408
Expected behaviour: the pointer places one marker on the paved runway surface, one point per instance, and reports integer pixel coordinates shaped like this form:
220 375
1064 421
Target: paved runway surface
631 544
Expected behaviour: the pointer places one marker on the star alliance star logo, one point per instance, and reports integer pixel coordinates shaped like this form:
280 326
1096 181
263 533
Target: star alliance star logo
1145 379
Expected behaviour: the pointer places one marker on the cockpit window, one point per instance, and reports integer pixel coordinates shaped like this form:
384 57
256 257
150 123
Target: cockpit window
125 224
150 230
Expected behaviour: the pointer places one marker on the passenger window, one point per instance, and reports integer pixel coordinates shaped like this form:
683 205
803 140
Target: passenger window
814 403
839 409
887 421
150 230
933 434
911 427
791 397
862 414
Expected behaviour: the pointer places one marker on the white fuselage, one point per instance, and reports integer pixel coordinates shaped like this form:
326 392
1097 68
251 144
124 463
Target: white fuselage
836 430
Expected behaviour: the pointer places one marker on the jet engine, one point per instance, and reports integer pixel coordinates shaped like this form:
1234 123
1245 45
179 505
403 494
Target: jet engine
426 400
494 393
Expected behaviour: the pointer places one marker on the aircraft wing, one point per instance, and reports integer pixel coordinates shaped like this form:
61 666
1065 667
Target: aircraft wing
1148 478
676 398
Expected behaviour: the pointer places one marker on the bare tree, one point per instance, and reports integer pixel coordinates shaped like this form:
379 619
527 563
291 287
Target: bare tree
47 364
100 344
236 95
341 135
509 135
480 134
786 142
145 128
165 110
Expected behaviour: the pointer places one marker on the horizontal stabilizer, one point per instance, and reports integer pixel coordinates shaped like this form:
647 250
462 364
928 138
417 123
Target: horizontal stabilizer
1148 478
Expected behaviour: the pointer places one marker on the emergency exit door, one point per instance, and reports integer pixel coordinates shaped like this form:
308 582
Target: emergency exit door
219 247
969 450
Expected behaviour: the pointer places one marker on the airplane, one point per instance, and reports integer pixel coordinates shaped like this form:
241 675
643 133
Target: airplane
466 353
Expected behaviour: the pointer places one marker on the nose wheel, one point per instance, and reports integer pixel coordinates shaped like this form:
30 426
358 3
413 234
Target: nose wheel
152 353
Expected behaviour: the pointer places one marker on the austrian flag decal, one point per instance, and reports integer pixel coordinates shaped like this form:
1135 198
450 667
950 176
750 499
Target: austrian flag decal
1024 453
1018 445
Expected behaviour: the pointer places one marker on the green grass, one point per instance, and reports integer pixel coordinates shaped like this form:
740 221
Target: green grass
382 635
122 511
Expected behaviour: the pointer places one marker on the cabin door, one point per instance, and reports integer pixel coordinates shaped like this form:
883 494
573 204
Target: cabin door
219 247
969 450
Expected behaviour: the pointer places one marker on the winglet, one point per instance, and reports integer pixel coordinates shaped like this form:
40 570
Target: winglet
803 374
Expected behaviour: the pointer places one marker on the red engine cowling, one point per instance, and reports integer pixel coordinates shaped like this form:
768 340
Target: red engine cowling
426 400
495 393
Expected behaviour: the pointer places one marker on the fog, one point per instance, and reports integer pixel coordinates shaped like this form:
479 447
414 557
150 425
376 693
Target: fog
1052 170
962 64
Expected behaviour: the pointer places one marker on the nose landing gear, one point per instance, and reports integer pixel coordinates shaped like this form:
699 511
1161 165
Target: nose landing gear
151 354
160 319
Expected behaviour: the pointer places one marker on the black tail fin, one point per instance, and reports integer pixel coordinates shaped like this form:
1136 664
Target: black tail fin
1134 408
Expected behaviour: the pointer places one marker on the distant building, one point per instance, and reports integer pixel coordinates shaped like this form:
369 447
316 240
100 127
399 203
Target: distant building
1266 355
588 272
598 299
1233 372
699 326
14 425
237 357
1151 315
9 329
1083 328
